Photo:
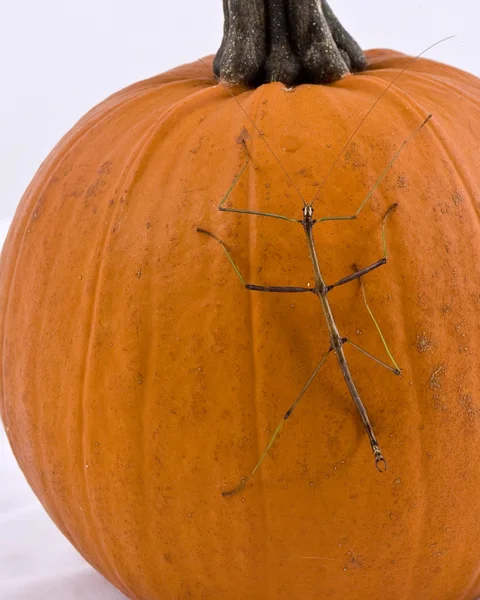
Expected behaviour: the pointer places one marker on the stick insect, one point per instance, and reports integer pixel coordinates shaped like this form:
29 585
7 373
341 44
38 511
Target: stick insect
321 289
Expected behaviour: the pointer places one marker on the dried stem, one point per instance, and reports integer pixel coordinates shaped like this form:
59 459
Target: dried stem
293 41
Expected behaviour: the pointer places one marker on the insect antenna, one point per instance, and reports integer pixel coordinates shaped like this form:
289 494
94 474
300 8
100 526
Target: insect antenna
371 109
262 135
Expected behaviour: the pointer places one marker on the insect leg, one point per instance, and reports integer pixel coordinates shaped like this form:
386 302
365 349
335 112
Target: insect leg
377 360
245 211
378 327
249 286
279 427
359 272
380 179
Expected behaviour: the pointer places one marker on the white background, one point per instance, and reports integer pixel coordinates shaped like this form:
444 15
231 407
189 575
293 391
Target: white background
58 59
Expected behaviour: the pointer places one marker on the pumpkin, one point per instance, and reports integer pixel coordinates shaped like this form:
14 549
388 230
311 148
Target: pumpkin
140 379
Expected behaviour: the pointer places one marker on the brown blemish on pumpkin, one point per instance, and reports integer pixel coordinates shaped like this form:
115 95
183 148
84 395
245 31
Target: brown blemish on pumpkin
304 172
465 401
434 382
424 343
436 551
353 156
243 136
446 208
195 149
219 342
93 189
354 561
457 197
438 403
106 167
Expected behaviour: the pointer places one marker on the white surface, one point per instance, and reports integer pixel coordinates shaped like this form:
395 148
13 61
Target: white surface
4 225
36 561
59 58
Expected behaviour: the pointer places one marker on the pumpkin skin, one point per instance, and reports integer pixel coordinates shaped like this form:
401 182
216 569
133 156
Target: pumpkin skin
139 379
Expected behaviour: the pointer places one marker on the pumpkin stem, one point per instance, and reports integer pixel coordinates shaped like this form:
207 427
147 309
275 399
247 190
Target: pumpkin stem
293 41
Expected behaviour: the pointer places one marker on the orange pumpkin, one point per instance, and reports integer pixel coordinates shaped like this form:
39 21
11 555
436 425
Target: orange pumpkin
140 379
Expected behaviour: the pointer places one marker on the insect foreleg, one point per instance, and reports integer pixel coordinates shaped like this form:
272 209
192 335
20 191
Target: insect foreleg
245 211
381 178
249 286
